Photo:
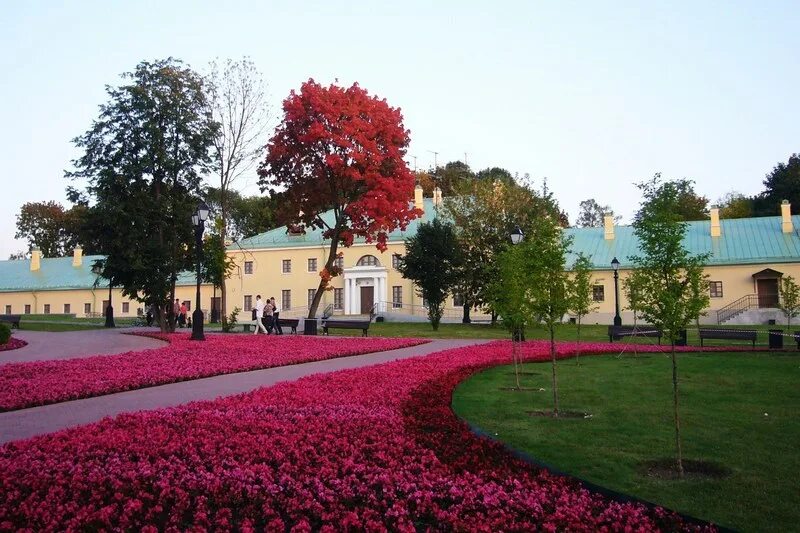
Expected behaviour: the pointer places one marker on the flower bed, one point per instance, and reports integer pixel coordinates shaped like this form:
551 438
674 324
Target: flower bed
375 448
43 382
12 344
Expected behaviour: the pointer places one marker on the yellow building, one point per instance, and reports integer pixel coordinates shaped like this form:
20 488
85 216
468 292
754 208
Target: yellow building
747 259
66 285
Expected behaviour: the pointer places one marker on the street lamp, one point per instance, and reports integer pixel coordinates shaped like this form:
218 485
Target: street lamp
516 238
516 235
198 221
615 266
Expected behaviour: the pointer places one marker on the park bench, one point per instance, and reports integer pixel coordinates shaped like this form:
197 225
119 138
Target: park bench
11 319
616 333
289 323
363 325
727 334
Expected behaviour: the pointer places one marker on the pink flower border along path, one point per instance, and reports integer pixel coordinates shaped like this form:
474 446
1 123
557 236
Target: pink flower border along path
12 344
45 382
375 448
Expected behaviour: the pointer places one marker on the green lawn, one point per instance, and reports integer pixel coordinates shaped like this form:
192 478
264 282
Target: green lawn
724 398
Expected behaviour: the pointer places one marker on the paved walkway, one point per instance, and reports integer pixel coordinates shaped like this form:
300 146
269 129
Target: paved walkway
26 423
44 345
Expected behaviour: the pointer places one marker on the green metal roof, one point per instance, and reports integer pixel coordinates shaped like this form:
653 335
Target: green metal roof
743 241
57 273
280 238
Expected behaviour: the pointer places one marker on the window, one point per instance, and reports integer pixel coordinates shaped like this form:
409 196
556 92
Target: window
248 267
286 299
27 309
286 266
368 260
396 258
47 309
311 293
339 263
338 299
87 309
8 309
458 300
126 307
397 297
715 288
248 302
599 293
312 264
67 309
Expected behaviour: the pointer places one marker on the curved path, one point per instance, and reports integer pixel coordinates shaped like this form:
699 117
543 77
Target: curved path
34 421
46 345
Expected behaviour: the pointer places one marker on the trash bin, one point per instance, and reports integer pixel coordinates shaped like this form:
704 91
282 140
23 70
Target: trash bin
309 327
681 340
378 319
771 322
775 339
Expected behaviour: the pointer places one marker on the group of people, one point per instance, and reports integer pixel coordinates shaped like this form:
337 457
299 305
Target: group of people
181 312
266 315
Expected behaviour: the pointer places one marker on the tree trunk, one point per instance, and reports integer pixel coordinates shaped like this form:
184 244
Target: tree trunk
494 317
675 406
312 311
578 342
466 319
223 232
514 356
555 381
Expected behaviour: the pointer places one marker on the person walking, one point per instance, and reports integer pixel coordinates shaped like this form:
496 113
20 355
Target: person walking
184 311
276 317
268 316
259 315
176 311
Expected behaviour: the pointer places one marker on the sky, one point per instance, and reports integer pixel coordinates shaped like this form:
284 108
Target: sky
594 96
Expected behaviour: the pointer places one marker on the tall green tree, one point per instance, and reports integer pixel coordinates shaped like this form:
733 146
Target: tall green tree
581 301
483 213
495 174
790 299
246 215
591 214
142 161
432 261
533 285
672 287
783 183
452 176
735 205
56 231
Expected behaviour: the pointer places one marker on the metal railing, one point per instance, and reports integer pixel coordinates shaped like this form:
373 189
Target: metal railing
745 303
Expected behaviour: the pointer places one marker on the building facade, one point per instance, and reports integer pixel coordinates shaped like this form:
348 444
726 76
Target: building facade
67 285
747 258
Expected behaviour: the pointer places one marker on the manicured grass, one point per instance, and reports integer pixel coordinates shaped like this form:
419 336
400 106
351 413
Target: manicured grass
55 326
724 398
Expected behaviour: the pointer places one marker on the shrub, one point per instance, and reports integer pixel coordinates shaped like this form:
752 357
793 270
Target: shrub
231 323
5 333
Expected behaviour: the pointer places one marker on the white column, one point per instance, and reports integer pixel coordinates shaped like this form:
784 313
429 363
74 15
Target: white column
346 296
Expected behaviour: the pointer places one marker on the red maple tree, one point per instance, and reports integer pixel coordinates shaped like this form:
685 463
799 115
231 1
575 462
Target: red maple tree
340 150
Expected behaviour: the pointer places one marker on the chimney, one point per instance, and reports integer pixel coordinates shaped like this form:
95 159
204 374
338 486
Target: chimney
77 256
608 224
716 230
786 217
36 259
437 197
418 197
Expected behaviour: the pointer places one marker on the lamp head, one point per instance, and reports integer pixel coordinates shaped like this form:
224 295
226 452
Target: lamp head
202 211
516 235
195 219
615 264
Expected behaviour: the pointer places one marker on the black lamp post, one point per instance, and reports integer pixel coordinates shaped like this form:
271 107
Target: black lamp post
198 221
615 266
516 238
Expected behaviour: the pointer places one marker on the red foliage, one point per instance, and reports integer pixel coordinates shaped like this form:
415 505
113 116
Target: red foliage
341 149
370 449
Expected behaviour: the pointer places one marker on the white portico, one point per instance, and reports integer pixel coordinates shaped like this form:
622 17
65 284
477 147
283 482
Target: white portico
364 286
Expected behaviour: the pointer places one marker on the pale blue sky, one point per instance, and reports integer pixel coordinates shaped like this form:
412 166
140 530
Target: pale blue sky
592 95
